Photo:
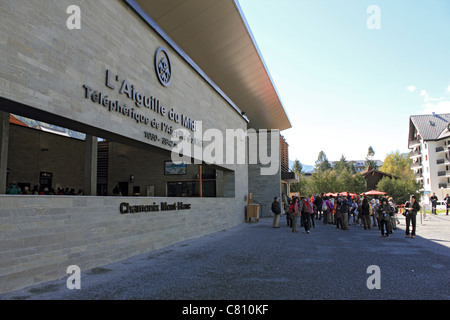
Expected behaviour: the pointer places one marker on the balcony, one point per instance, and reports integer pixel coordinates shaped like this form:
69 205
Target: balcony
415 154
441 149
442 161
413 143
443 185
290 177
418 176
416 165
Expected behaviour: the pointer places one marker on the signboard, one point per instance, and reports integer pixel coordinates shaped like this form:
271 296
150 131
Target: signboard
126 208
158 120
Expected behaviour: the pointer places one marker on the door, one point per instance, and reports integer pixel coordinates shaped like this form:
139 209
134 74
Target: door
124 188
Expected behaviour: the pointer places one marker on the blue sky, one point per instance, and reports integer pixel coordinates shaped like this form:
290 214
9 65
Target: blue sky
346 87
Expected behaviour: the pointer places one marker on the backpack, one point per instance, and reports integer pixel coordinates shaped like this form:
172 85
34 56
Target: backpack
324 206
344 207
305 207
394 208
291 208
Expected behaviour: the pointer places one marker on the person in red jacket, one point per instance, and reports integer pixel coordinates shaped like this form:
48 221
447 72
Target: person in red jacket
297 208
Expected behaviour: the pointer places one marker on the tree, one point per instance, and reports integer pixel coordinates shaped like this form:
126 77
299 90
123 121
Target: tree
370 163
297 167
322 163
343 164
302 186
351 182
398 165
400 189
351 167
324 181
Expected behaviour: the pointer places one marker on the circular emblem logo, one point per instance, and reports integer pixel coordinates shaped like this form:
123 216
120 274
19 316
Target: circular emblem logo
163 66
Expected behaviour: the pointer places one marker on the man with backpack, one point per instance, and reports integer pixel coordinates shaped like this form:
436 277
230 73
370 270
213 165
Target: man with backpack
318 200
276 209
394 211
307 210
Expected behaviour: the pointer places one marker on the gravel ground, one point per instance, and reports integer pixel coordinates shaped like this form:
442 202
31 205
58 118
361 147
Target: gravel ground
257 262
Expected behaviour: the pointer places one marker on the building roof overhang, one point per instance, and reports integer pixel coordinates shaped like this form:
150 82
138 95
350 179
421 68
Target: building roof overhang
378 173
215 39
430 127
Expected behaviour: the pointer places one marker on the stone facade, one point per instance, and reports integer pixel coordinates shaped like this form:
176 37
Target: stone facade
265 187
40 236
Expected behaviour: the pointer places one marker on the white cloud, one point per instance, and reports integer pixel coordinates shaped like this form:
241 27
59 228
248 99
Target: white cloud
439 108
448 89
412 88
423 93
428 99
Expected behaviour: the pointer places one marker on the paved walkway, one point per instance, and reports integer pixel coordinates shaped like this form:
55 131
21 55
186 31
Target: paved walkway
257 262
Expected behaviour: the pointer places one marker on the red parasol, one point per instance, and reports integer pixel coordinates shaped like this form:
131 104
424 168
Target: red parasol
331 194
374 193
345 193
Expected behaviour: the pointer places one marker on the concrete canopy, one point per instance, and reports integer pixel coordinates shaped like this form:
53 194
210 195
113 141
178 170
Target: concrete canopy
215 35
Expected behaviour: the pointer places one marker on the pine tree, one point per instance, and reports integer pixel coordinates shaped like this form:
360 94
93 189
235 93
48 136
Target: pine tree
322 163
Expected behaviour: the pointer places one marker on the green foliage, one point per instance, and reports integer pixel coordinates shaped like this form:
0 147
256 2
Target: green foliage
351 182
370 163
343 164
297 167
302 187
324 181
322 163
399 189
340 165
398 166
344 177
330 181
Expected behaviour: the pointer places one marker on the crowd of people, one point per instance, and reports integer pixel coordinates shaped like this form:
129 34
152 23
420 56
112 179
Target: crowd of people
14 188
434 200
345 210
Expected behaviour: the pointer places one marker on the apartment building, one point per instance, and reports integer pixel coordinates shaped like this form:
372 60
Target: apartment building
429 141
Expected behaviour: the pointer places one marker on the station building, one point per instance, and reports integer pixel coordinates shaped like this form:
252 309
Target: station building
111 104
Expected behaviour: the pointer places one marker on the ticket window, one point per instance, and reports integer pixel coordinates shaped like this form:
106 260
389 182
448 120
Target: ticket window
45 179
183 189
